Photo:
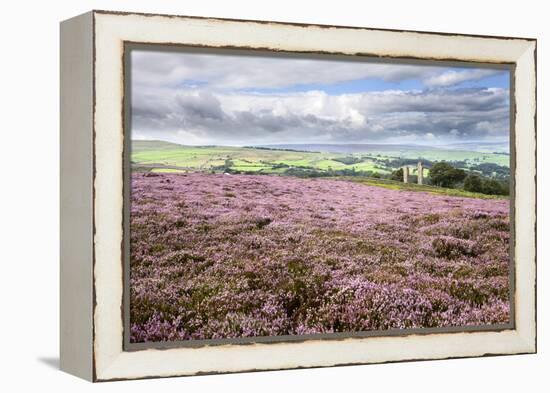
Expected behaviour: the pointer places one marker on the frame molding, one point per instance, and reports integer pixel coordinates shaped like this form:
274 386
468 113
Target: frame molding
128 346
95 351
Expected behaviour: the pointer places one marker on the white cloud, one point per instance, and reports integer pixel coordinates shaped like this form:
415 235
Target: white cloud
205 117
165 68
452 77
212 99
157 69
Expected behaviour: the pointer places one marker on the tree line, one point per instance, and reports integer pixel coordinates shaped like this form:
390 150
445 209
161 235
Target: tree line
443 174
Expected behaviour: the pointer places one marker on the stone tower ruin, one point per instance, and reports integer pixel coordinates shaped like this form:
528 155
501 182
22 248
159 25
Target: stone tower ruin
420 171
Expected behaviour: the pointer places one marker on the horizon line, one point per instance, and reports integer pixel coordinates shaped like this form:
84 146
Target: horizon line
321 143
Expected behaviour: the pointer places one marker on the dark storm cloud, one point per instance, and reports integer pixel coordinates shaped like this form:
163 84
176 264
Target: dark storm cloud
437 100
154 68
375 116
205 106
203 111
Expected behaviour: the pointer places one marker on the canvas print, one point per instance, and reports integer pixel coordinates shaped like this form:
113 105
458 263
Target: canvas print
283 196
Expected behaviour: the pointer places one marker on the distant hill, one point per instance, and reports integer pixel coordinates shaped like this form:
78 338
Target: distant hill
373 148
149 145
481 147
348 148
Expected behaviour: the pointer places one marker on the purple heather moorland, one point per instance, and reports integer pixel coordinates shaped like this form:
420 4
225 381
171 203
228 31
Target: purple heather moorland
217 256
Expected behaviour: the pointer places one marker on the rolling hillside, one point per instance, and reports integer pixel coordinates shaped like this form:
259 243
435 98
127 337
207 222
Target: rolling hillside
383 159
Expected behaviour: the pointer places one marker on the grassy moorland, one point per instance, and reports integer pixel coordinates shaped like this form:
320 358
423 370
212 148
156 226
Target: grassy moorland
221 256
397 185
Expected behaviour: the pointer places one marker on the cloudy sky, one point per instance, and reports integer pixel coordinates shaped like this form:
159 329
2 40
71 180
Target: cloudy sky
206 99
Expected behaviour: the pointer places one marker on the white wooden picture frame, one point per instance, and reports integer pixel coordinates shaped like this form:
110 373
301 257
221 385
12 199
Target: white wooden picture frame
92 194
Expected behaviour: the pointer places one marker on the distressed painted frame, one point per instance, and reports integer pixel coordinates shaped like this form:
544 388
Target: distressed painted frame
92 194
127 127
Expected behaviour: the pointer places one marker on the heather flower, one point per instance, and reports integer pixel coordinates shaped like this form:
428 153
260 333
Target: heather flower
216 256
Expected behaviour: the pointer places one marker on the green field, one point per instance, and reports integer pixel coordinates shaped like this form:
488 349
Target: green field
165 156
449 155
149 154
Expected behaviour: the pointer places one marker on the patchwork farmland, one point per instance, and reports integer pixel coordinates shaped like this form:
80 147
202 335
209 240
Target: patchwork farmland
159 156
